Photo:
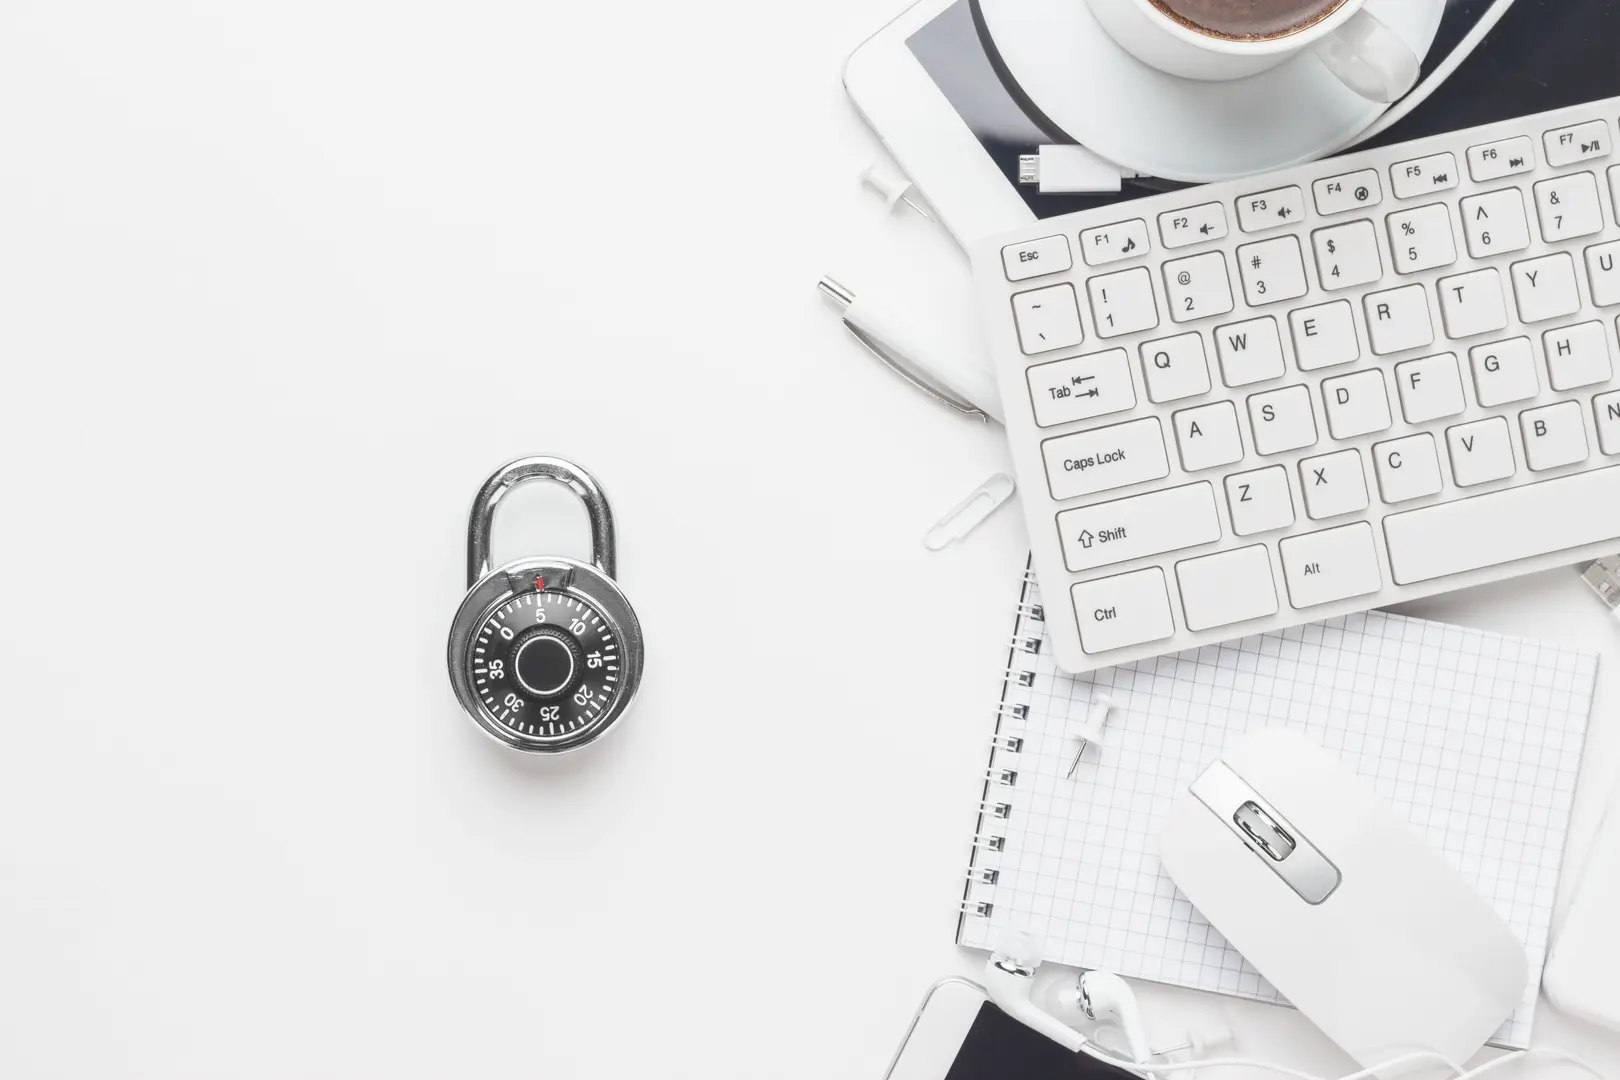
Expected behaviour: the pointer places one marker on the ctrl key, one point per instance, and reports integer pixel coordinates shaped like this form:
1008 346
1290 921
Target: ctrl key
1126 609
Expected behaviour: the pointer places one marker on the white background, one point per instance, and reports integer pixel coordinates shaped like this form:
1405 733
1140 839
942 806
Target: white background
279 285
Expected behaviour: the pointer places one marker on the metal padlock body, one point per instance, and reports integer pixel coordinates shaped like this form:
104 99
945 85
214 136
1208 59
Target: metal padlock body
545 652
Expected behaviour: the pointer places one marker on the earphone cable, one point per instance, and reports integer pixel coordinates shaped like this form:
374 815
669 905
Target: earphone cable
1458 1072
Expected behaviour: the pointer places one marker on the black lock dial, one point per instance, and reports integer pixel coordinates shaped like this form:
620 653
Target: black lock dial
545 665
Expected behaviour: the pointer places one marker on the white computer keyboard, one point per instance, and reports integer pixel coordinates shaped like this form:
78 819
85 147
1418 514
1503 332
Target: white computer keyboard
1271 401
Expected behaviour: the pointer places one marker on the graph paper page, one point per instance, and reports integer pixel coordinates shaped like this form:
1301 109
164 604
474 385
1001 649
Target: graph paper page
1474 737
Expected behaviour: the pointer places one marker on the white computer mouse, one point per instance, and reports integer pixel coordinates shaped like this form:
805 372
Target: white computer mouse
1345 908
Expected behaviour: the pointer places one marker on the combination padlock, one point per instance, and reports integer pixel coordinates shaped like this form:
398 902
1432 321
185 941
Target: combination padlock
545 652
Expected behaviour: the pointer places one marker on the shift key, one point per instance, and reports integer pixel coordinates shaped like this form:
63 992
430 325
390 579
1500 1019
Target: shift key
1105 458
1140 525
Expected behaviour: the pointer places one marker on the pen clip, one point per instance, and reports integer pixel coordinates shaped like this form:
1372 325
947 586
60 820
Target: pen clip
900 368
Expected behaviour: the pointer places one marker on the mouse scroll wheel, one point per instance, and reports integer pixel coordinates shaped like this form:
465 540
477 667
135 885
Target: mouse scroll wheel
1260 827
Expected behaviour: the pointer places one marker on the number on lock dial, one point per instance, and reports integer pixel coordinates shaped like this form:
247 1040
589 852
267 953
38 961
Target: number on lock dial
545 664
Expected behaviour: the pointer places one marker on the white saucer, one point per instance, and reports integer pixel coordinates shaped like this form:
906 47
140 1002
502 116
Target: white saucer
1138 117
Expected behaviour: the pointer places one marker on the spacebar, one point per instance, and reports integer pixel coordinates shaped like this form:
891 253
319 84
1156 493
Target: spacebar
1504 526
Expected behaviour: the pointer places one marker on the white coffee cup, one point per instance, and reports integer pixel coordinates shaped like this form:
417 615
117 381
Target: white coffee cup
1352 43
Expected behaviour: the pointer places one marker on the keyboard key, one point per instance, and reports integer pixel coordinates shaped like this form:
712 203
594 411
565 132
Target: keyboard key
1421 238
1495 223
1410 179
1480 452
1515 523
1356 404
1334 484
1270 209
1249 352
1347 255
1581 142
1081 387
1122 302
1271 270
1110 243
1048 255
1489 161
1193 225
1472 303
1324 335
1504 371
1281 420
1601 273
1228 587
1407 468
1105 458
1577 356
1198 287
1127 609
1398 319
1606 410
1208 436
1347 191
1175 368
1430 388
1568 207
1142 525
1259 501
1554 436
1047 319
1545 288
1334 564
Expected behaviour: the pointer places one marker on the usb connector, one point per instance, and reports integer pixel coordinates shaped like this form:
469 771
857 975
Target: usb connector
1068 169
1603 577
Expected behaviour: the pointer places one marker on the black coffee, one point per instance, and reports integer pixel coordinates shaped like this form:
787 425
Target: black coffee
1247 20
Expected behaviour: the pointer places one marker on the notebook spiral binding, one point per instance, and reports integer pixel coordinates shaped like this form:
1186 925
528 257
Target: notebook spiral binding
1006 745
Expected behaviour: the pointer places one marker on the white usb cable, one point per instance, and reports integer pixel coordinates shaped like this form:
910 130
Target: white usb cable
1070 169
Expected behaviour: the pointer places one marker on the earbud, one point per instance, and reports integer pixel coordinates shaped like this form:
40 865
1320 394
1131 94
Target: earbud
1009 979
1106 998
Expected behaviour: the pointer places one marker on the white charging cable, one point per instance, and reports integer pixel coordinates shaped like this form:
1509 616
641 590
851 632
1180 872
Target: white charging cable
1458 1072
1070 169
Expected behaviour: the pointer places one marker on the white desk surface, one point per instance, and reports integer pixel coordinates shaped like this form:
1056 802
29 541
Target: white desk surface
279 285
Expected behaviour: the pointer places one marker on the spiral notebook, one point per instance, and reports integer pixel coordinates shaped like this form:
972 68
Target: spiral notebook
1475 737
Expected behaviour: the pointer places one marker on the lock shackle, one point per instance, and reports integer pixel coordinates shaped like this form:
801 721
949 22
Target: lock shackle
482 520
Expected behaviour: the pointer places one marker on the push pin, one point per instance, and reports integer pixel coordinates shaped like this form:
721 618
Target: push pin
1092 731
892 185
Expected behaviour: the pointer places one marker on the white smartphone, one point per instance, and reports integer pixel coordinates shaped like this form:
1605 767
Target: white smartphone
959 1034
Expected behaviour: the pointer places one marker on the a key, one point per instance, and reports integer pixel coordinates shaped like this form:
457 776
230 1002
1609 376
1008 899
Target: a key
1110 243
1048 255
1472 303
1334 564
1324 335
1581 142
1398 319
1504 371
1601 273
1193 225
1577 356
1227 587
1347 255
1423 175
1281 420
1356 404
1504 526
1124 529
1197 287
1568 207
1554 436
1063 391
1490 161
1495 222
1122 302
1480 452
1047 319
1407 468
1545 287
1208 436
1347 191
1421 239
1249 352
1105 458
1270 209
1606 411
1271 270
1430 388
1334 484
1259 501
1126 609
1175 367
